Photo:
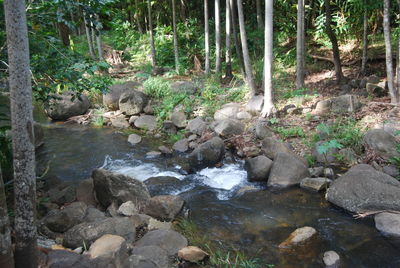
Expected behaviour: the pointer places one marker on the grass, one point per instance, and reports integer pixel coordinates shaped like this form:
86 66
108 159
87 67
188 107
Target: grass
292 132
218 258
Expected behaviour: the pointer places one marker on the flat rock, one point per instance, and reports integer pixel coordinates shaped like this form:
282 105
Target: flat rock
316 184
228 111
299 236
168 240
134 139
119 122
146 122
192 254
151 254
229 127
388 223
109 246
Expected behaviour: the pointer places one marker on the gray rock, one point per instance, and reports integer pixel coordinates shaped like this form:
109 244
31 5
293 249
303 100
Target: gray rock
111 98
168 240
137 261
345 104
159 185
326 158
363 188
271 146
186 87
164 207
146 122
93 214
65 258
391 170
149 108
349 156
132 102
169 127
329 173
165 150
316 184
331 259
261 130
62 196
134 139
197 126
373 79
382 143
132 119
85 192
388 223
61 220
113 187
128 209
192 254
228 111
376 91
181 146
154 254
66 105
323 107
88 232
316 171
255 104
299 236
207 154
258 168
179 119
229 127
119 122
244 115
153 154
287 170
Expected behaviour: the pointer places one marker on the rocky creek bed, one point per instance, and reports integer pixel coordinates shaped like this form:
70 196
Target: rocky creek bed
238 214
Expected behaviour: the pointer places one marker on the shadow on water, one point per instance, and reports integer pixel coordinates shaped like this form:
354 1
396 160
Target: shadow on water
255 222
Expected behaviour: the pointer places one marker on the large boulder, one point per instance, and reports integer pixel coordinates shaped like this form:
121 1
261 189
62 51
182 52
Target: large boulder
388 223
110 247
341 104
197 126
271 146
185 87
363 189
229 127
132 102
255 104
382 143
164 207
168 240
163 184
146 122
113 187
148 257
207 154
111 98
66 105
88 232
228 111
179 119
85 192
258 168
61 220
287 170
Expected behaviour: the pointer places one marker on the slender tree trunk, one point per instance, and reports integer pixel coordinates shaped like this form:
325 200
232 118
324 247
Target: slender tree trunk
207 38
310 14
260 22
153 46
6 253
246 56
228 53
93 34
333 39
217 37
22 134
268 59
98 38
176 51
364 58
88 35
300 48
398 58
236 38
394 94
137 17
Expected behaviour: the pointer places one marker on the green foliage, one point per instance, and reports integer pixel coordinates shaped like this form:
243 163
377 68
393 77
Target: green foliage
302 92
328 145
290 132
157 87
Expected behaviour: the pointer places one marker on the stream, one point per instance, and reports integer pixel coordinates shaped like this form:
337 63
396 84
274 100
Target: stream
255 222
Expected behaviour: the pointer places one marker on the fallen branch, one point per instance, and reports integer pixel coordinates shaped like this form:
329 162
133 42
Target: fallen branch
350 63
369 213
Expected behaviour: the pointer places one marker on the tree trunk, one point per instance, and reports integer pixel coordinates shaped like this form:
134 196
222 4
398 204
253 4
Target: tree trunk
300 47
176 51
6 253
137 17
333 39
398 58
152 44
268 59
260 22
88 35
228 53
98 38
364 58
217 37
394 94
236 38
246 56
207 38
64 33
93 34
22 134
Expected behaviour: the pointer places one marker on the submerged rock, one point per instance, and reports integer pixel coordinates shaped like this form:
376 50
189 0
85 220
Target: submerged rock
134 139
299 236
363 188
207 154
331 259
114 187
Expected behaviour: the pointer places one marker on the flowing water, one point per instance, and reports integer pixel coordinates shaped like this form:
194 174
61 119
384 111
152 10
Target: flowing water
254 222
